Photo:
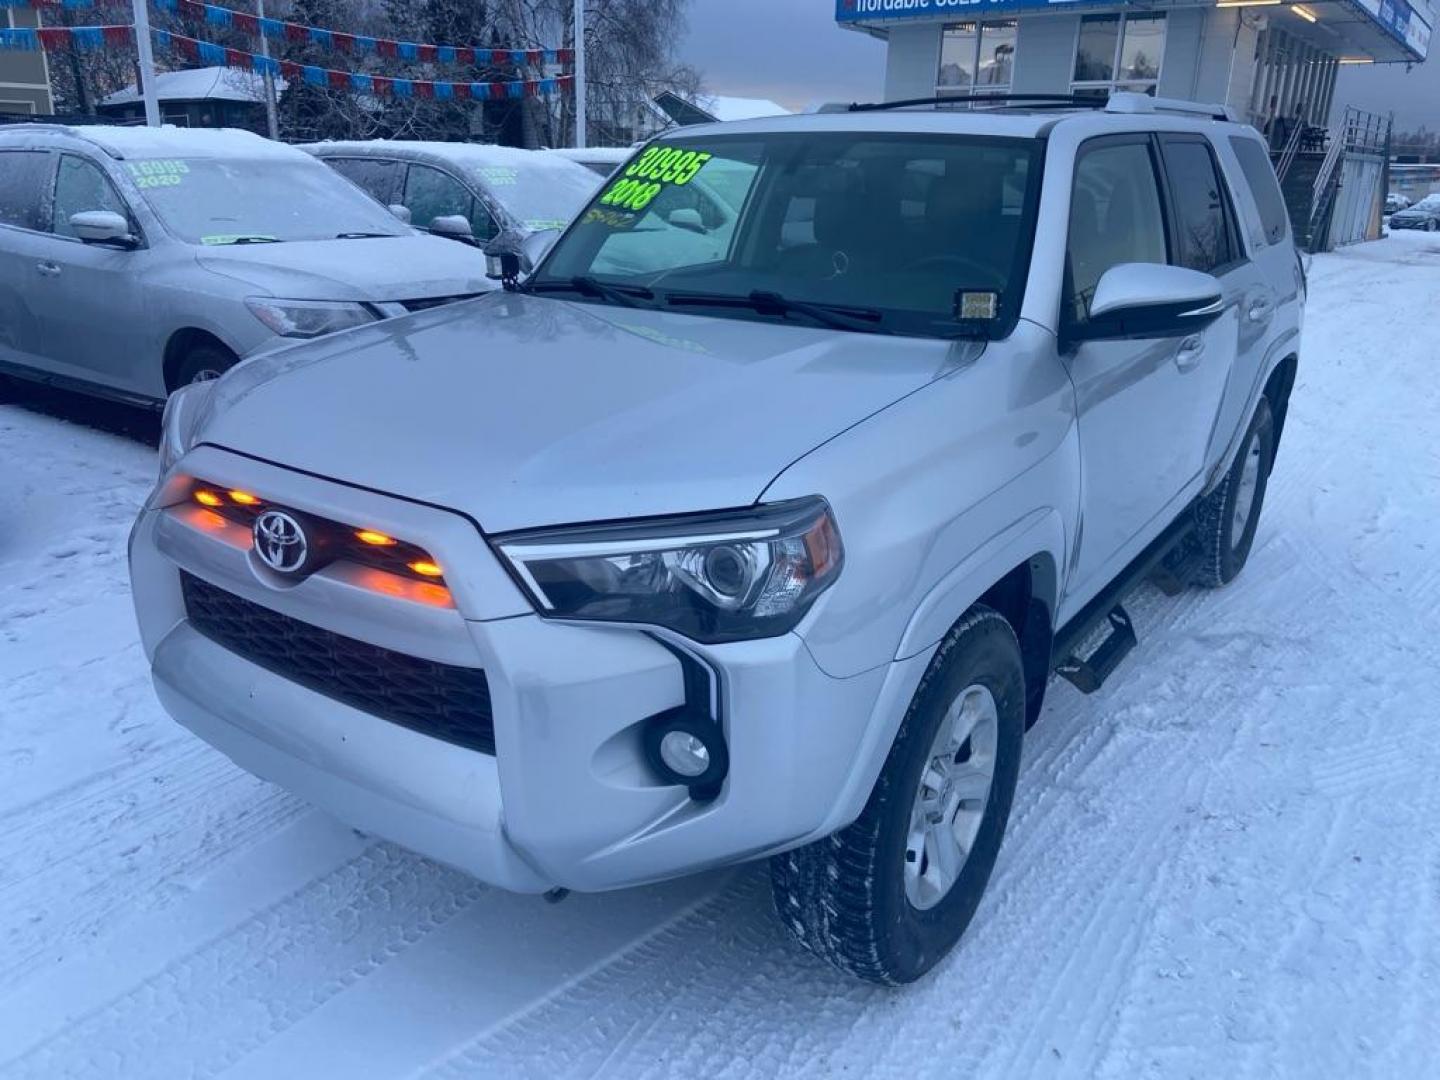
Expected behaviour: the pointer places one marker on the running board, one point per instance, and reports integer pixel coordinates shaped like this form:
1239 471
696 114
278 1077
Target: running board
1089 674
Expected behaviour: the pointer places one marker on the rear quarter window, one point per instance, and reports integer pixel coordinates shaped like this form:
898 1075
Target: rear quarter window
1260 179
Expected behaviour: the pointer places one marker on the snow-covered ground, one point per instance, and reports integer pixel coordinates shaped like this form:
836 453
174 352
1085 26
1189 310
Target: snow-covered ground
1227 863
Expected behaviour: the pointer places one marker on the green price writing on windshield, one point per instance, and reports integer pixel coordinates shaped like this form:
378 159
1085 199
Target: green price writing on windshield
158 172
647 177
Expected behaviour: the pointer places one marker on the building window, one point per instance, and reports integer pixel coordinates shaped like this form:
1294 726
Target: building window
976 57
1119 52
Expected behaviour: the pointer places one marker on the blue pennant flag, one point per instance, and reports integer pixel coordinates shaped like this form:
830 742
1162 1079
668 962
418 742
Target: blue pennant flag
88 37
313 75
408 51
23 38
320 37
361 84
447 54
404 88
444 91
272 28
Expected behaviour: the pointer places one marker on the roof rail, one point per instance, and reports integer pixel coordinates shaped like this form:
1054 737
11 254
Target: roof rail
999 101
1127 101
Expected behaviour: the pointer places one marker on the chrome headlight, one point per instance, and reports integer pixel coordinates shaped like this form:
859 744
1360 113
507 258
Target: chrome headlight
712 577
309 318
185 412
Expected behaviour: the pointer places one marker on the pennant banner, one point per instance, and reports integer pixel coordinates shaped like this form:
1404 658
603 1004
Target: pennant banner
379 86
335 40
89 38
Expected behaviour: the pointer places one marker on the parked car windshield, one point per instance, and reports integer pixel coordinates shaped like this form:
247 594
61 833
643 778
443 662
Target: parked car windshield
1430 202
235 201
912 234
544 195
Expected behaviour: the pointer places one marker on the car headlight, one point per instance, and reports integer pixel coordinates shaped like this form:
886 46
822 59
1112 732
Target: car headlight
712 577
309 318
185 412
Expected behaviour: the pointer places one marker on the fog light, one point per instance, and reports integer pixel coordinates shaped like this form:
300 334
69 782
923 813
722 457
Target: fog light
688 749
684 753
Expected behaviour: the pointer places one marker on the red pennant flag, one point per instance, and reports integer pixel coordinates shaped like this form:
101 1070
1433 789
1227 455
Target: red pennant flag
496 91
289 69
117 35
461 90
54 37
386 47
424 89
428 54
381 84
188 46
535 57
565 56
344 43
532 88
338 80
191 9
246 24
236 58
465 55
296 32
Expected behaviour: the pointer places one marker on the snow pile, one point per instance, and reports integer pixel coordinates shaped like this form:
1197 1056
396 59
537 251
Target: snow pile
1224 864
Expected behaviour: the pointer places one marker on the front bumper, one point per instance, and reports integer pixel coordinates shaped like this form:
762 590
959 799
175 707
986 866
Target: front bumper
567 799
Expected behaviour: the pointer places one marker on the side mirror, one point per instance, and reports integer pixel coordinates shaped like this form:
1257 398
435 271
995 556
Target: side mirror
453 227
687 218
401 212
103 227
1147 300
536 246
511 255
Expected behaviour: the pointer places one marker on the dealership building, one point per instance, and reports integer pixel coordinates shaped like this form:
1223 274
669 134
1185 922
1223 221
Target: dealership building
1264 58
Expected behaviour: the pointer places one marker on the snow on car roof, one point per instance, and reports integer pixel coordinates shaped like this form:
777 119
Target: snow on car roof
169 141
473 158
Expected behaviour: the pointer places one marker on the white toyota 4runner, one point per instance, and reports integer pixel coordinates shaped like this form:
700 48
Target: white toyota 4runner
753 521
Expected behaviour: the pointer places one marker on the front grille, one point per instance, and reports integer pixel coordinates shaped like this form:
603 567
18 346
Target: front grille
439 700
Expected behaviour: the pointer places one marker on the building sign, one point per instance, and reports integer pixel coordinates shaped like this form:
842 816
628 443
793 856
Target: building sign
1399 19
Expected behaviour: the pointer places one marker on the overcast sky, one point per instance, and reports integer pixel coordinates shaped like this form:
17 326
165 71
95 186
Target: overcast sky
792 52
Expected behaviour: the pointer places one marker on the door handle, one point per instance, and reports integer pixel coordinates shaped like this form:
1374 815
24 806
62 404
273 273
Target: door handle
1189 353
49 269
1259 309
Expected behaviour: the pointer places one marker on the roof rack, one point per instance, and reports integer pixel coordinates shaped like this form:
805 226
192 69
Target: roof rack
1128 101
999 101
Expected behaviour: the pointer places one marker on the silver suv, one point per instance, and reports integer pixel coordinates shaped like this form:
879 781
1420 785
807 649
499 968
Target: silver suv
681 554
136 260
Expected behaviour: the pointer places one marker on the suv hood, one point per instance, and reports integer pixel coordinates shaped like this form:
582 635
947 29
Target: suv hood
379 269
526 411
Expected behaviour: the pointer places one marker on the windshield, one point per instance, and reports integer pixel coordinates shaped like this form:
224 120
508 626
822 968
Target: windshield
1430 202
235 200
912 234
545 194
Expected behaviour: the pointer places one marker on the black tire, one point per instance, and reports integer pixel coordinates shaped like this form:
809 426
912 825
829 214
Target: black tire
845 897
1224 547
203 362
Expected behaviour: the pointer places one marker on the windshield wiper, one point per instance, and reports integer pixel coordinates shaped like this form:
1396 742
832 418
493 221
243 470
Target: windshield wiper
836 316
585 285
252 240
363 235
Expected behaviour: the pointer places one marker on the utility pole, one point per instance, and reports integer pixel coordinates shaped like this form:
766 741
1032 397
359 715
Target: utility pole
272 122
580 74
145 50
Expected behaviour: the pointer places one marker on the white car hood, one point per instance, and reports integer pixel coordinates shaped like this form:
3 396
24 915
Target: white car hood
525 411
379 269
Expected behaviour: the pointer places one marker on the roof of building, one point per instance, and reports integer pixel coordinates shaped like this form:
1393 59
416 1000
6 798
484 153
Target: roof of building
726 108
200 84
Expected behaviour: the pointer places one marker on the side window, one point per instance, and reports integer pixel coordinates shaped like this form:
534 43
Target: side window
80 186
430 193
481 223
24 176
380 179
1115 217
1260 175
1206 235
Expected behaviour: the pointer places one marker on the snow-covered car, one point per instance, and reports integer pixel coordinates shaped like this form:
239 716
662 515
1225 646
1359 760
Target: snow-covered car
1395 201
466 191
1424 215
629 572
136 260
601 160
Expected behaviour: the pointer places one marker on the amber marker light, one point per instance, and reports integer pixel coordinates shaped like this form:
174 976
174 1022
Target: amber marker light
425 568
375 539
243 498
208 498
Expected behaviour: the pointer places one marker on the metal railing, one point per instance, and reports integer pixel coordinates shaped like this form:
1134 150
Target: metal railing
1360 133
1292 147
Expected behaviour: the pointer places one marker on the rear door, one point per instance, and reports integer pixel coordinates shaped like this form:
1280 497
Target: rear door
378 177
24 185
431 193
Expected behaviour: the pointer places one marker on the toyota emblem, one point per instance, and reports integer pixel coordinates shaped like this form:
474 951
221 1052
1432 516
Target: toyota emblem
280 542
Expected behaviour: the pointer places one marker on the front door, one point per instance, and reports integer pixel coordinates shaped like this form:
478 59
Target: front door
1146 407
